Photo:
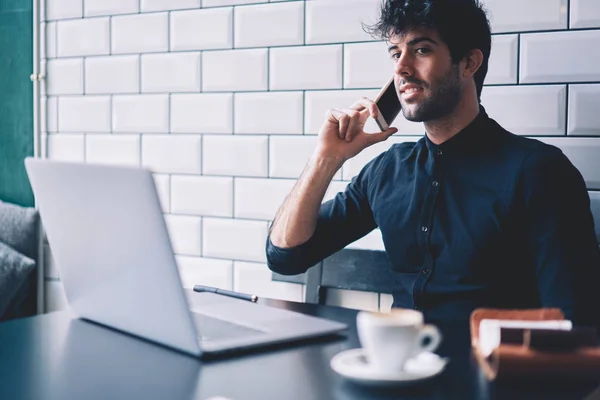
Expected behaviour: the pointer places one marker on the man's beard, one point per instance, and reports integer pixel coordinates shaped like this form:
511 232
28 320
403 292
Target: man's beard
445 96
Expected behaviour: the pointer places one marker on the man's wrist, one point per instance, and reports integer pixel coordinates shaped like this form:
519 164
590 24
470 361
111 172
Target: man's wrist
326 163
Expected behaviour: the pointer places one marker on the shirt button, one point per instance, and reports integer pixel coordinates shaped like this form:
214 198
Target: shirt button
435 183
425 271
438 152
424 229
417 307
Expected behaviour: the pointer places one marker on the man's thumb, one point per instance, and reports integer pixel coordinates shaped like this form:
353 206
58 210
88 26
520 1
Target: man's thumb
381 136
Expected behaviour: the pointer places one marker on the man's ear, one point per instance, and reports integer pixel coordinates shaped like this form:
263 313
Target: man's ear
474 59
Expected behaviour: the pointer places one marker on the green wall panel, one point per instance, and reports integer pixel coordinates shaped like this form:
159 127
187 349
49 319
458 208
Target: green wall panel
16 100
16 5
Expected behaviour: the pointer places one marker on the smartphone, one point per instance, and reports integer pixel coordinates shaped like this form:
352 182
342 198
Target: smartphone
388 103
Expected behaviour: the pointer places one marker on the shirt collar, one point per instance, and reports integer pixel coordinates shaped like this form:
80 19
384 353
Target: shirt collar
466 139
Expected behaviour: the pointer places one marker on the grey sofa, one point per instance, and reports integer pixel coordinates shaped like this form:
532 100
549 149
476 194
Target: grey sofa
19 227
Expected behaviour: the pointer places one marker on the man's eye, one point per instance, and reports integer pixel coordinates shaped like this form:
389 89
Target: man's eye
395 56
423 50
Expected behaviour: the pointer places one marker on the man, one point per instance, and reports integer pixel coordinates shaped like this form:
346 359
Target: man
471 215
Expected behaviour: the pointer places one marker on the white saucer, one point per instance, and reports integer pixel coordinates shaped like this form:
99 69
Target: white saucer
353 365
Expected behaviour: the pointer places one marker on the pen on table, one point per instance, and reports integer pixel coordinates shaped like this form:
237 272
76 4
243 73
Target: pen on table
209 289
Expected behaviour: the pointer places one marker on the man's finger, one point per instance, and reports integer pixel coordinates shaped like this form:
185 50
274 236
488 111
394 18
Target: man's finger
366 104
355 126
344 121
336 116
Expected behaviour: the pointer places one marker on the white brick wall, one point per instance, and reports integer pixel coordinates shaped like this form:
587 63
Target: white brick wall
81 37
222 99
202 29
112 74
269 25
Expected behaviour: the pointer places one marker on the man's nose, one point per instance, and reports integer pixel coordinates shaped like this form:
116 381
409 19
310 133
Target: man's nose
404 65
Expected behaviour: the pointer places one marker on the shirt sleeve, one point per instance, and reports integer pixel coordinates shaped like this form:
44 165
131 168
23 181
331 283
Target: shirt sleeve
341 221
559 235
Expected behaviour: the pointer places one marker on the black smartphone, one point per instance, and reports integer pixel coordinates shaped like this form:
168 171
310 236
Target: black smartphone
388 103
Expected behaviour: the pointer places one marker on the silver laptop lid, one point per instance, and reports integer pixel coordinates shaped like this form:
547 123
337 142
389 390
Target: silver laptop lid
112 249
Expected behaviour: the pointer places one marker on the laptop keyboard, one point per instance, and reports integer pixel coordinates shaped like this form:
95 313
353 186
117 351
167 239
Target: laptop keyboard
210 328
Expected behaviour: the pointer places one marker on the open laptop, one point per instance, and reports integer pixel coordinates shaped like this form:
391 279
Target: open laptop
109 240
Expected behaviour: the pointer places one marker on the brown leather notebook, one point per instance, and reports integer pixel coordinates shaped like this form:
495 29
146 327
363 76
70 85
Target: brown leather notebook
535 353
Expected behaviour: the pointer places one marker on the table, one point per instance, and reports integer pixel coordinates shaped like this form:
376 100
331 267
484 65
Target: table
56 356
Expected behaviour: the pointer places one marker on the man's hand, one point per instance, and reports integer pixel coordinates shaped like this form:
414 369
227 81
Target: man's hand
342 136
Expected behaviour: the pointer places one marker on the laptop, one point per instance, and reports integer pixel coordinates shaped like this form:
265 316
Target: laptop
109 240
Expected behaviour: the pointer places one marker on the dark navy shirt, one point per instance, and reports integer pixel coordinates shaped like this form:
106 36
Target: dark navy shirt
486 219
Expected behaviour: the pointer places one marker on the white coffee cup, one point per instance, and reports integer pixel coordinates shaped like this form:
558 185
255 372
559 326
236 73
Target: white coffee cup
391 339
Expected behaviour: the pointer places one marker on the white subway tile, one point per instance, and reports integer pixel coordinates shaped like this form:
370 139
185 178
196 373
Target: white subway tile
110 7
317 103
83 37
353 299
175 154
288 155
235 155
50 270
354 165
162 5
49 47
255 25
584 104
84 114
66 147
311 67
140 33
333 189
173 72
234 239
62 9
269 112
163 189
202 29
219 3
527 110
52 114
542 63
503 62
233 70
205 271
202 195
65 76
112 74
113 149
367 65
530 15
202 113
255 278
585 14
185 233
329 21
141 113
55 298
260 198
371 241
583 153
385 302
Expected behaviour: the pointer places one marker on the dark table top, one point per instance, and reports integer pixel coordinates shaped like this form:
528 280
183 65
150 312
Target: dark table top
56 356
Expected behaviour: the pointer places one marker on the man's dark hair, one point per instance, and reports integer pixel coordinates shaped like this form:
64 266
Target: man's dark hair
462 24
